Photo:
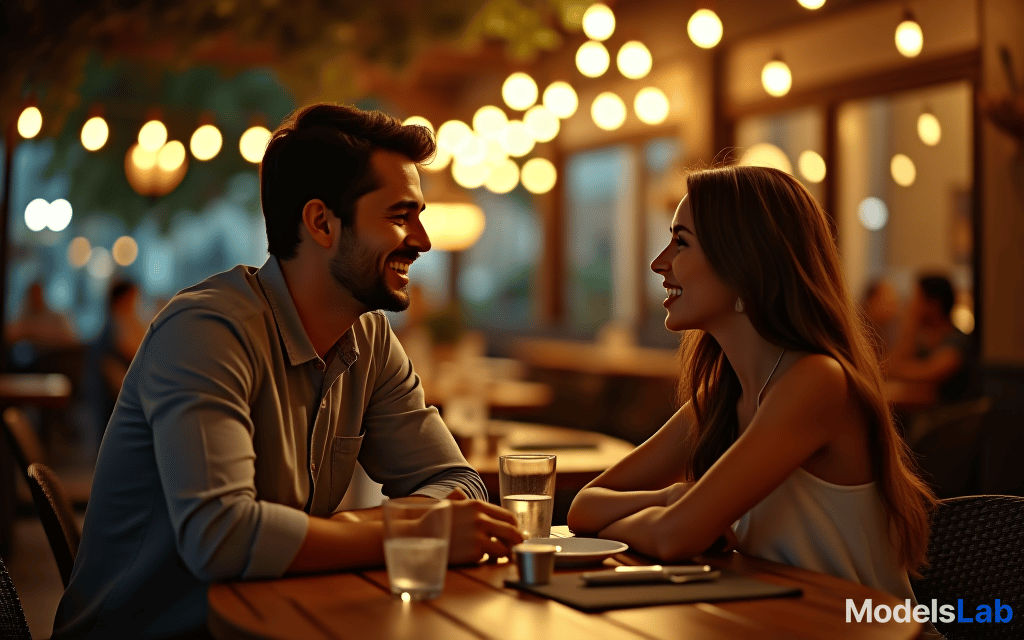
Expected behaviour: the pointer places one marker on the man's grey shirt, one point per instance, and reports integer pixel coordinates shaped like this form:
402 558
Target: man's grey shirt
228 431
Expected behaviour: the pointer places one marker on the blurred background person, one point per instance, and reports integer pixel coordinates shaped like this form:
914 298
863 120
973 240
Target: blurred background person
112 352
931 351
40 326
881 306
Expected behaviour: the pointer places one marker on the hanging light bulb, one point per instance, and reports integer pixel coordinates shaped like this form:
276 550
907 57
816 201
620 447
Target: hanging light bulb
253 143
489 121
419 120
704 28
519 91
95 133
538 175
592 59
608 111
206 142
651 105
504 177
152 136
909 39
903 170
598 22
561 99
542 123
30 122
812 166
929 129
634 60
776 78
171 156
811 4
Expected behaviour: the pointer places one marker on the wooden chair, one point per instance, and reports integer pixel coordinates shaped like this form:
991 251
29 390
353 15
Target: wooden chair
976 551
57 517
27 448
947 441
12 617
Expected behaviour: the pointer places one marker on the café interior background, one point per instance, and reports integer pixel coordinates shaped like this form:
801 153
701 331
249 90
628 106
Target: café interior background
551 225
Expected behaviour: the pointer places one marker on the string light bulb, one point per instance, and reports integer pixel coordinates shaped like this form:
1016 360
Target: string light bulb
592 59
560 98
704 28
598 22
206 142
929 129
253 143
30 122
776 78
634 60
95 133
909 38
152 136
608 111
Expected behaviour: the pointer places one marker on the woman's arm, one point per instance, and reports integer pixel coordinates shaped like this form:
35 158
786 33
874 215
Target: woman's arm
647 477
797 419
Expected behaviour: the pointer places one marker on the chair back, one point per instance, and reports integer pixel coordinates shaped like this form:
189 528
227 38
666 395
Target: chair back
947 441
57 517
976 551
12 617
21 438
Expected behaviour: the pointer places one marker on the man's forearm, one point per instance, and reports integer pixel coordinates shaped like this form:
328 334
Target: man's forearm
335 544
442 484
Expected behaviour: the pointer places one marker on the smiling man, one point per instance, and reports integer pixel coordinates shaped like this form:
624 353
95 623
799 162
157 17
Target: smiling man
256 391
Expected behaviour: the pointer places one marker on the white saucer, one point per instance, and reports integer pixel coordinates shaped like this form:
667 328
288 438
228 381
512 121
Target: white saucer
575 552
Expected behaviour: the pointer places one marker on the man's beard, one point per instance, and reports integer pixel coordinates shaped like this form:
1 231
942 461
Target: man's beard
355 268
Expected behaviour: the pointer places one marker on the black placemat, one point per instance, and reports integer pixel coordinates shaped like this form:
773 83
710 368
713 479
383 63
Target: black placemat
569 589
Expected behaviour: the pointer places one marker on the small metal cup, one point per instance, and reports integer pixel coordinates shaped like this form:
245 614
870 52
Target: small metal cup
535 562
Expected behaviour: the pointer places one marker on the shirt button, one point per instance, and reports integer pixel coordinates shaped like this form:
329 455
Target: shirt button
323 403
320 365
312 467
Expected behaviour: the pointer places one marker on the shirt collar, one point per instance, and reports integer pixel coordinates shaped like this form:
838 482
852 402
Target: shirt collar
296 342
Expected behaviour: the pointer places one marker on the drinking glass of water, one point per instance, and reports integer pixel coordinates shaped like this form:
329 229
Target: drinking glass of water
416 534
527 487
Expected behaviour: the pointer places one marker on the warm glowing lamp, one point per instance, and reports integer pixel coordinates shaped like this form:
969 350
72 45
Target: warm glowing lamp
651 105
561 99
704 28
608 111
253 144
543 124
598 22
903 170
504 177
765 154
30 122
811 166
538 175
152 135
634 60
95 133
519 91
929 129
909 38
206 142
453 226
811 4
776 78
489 121
592 59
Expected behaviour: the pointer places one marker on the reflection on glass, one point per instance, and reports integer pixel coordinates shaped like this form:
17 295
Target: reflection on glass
793 134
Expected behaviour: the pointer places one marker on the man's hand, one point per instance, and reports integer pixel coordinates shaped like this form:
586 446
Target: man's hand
480 527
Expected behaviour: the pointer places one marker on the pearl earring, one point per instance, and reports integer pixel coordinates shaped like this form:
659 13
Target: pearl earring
739 305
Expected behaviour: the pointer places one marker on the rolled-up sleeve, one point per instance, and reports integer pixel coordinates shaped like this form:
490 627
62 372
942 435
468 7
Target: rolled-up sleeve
407 447
194 393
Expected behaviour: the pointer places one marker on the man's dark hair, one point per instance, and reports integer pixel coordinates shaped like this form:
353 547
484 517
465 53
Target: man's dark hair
323 151
939 289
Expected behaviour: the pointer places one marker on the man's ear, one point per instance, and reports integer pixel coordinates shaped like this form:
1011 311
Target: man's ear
316 219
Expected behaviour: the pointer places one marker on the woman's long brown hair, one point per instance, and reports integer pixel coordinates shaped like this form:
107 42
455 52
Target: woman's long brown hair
768 239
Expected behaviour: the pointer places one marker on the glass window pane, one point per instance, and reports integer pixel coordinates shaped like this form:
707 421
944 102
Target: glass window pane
796 134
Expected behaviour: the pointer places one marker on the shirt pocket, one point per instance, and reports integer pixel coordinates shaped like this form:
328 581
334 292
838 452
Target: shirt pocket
344 453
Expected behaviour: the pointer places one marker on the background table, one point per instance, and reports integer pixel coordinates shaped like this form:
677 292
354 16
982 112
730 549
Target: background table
475 605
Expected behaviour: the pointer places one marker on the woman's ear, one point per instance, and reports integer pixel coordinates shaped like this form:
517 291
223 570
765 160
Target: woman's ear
316 219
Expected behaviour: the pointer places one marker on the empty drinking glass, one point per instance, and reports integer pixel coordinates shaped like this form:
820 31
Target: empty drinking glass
416 534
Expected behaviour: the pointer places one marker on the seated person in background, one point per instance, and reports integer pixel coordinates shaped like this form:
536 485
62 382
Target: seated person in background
931 351
881 305
39 325
256 391
113 351
784 437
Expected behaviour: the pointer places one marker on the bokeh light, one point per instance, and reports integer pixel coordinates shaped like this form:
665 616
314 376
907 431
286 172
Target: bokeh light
470 176
929 129
504 177
561 99
171 156
79 252
872 213
37 214
608 111
125 250
453 226
592 59
489 121
538 175
472 151
419 120
152 135
903 170
30 122
543 124
95 133
651 105
598 22
453 135
517 140
440 160
634 60
59 214
519 91
253 143
765 154
206 142
704 28
811 166
909 38
776 78
811 4
100 265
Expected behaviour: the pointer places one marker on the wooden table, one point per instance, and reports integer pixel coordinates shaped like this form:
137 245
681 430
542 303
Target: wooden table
476 605
582 455
598 359
505 395
47 390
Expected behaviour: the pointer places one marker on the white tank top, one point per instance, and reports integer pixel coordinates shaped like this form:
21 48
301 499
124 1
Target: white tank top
835 529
